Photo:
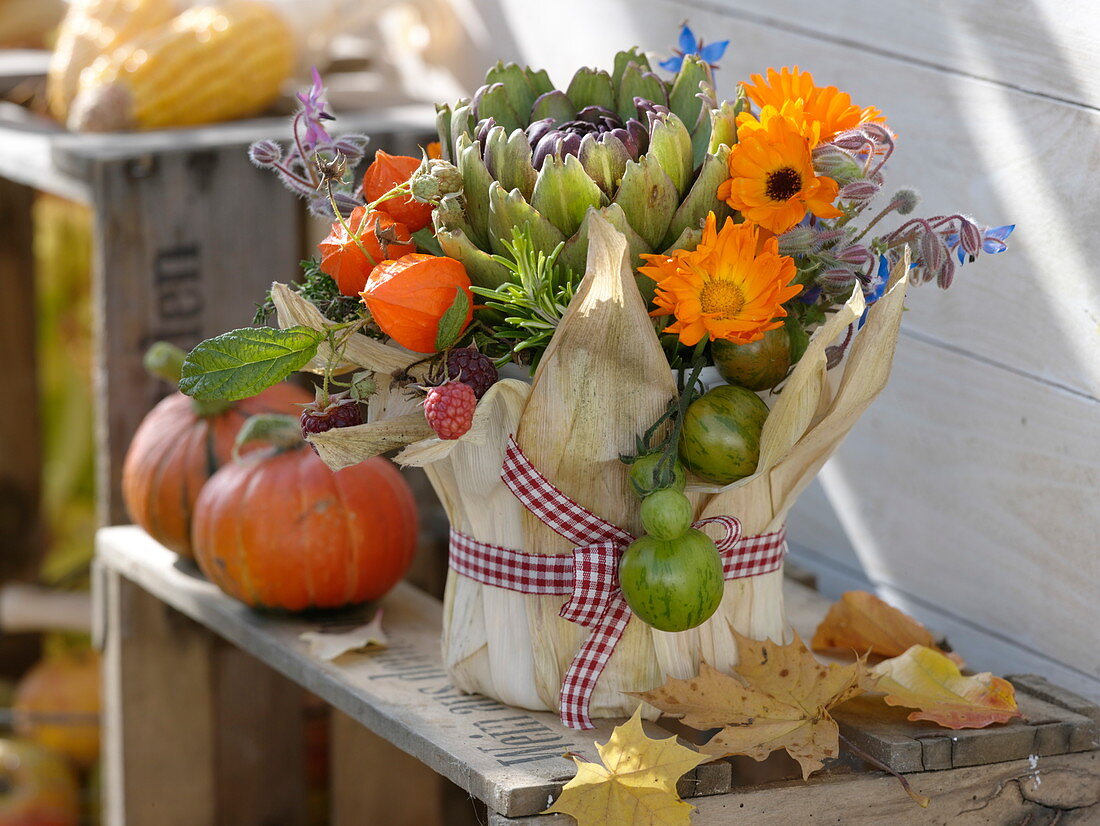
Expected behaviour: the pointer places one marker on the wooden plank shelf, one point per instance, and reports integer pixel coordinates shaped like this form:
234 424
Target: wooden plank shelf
512 759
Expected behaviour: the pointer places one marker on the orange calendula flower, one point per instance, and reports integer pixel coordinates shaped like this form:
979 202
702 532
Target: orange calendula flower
826 106
731 286
772 180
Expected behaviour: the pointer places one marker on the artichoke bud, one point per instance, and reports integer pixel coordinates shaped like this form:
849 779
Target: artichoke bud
461 126
508 210
508 159
493 102
638 84
723 126
591 88
480 266
564 192
443 130
604 160
554 105
518 86
670 146
684 97
625 58
648 197
703 197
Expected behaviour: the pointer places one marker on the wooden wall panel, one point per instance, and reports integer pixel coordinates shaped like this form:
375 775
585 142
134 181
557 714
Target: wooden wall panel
1039 46
969 492
1004 155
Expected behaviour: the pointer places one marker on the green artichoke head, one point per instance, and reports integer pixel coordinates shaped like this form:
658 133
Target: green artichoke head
646 153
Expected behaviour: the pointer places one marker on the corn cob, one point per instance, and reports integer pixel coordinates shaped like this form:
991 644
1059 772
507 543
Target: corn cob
92 28
211 63
25 23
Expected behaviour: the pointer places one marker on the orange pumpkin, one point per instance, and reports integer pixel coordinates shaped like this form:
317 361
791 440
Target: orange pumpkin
57 704
279 529
177 447
408 297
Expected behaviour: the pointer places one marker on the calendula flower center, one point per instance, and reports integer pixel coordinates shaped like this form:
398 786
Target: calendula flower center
783 184
722 297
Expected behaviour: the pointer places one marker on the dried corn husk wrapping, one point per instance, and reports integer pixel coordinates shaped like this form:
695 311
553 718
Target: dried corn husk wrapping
603 380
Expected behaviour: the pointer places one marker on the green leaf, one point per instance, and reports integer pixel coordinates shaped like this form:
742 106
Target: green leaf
453 322
242 363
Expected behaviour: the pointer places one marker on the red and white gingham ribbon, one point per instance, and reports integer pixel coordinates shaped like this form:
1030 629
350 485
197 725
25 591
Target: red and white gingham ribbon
590 575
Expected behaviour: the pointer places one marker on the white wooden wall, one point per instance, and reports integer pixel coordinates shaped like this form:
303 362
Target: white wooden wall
970 494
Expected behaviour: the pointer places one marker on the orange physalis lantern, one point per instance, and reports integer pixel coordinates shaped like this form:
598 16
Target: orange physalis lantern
384 174
408 297
344 259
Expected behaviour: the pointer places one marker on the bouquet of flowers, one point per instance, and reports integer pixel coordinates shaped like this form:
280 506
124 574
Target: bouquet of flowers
613 519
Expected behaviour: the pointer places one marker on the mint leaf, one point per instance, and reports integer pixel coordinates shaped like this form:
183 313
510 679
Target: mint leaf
242 363
453 322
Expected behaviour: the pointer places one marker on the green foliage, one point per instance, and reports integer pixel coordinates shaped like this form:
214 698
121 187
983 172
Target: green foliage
321 291
531 303
452 322
242 363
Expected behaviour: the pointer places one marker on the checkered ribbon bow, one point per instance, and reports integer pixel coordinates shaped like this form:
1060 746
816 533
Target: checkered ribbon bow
589 576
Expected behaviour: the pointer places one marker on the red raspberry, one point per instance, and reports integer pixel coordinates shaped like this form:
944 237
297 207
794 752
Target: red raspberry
449 409
472 367
341 411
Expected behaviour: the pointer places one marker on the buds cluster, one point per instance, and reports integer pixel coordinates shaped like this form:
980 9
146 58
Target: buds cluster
433 180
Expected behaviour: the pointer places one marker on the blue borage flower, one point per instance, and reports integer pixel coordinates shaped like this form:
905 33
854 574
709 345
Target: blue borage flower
993 241
709 53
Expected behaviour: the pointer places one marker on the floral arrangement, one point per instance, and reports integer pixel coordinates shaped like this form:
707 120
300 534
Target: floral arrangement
614 238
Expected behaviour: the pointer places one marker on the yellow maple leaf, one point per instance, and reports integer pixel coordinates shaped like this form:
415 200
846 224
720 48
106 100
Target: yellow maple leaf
782 701
636 783
925 679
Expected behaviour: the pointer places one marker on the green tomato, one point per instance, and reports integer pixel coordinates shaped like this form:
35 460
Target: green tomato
720 439
666 514
760 365
672 584
643 474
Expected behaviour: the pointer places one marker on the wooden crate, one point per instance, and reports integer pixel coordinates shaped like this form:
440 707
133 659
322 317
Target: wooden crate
188 236
511 759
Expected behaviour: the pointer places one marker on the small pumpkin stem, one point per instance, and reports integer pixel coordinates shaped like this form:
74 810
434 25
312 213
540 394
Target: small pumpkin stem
282 432
165 361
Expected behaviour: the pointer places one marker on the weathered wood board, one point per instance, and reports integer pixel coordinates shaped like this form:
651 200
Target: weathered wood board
1056 790
510 758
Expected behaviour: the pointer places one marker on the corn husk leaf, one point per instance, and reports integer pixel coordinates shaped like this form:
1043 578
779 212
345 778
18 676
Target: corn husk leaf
602 380
346 446
487 645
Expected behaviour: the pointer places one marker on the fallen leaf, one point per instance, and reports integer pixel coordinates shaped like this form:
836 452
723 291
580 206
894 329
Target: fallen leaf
635 785
329 646
861 622
782 701
925 679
